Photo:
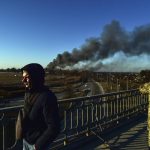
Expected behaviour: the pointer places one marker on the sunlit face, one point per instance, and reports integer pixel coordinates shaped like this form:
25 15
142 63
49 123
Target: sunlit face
26 79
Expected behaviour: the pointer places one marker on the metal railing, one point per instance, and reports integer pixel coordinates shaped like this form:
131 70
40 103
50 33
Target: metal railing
81 115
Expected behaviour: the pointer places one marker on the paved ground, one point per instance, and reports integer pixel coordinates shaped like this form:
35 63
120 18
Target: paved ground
132 136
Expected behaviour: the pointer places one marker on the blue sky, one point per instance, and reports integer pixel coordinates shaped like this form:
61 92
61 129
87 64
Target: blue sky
38 30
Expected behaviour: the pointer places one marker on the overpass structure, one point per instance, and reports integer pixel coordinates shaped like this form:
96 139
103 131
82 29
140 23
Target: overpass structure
86 118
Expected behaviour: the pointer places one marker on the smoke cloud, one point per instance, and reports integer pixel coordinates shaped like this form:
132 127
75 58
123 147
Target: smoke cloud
115 50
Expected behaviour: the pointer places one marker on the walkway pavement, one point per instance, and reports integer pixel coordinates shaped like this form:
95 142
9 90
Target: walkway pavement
132 136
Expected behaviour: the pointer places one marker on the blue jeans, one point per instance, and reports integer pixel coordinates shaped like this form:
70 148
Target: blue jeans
27 146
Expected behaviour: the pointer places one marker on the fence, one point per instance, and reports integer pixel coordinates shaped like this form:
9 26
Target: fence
82 115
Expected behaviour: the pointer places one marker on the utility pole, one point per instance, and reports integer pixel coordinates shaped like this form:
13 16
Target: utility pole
127 83
117 85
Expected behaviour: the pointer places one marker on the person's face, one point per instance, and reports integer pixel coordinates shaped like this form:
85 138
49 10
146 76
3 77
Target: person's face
26 79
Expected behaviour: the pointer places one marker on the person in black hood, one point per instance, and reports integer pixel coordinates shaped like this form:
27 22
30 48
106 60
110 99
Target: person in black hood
41 123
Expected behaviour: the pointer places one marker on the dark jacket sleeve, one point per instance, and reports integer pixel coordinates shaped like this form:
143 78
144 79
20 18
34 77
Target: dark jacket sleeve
51 116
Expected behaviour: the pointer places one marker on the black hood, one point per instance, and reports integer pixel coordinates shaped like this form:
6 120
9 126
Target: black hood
37 74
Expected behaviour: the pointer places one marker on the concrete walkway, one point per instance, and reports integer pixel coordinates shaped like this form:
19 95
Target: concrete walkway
132 136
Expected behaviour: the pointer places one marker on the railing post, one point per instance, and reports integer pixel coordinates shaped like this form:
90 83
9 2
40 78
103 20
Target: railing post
148 127
4 137
3 131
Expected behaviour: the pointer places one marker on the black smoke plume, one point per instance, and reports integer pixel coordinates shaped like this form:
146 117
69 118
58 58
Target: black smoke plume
115 45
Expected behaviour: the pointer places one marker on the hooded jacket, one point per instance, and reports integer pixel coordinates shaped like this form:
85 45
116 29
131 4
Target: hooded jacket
41 124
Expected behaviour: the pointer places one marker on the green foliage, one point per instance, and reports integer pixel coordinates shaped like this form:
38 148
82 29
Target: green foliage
145 76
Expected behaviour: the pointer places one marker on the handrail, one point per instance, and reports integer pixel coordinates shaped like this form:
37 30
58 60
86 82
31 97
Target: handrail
83 114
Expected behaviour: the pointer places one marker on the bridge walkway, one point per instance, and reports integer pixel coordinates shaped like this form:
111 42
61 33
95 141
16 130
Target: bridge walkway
131 136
